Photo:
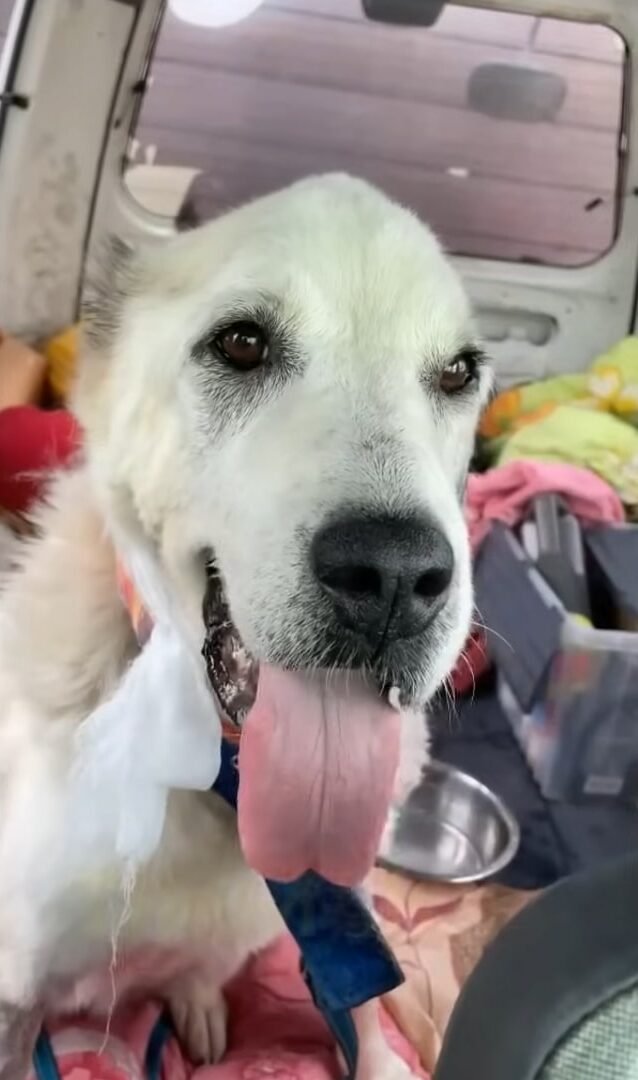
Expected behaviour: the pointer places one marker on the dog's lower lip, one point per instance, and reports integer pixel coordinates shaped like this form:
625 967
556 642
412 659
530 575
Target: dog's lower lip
232 672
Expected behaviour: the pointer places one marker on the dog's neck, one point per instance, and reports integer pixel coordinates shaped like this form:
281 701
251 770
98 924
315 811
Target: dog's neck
142 624
65 637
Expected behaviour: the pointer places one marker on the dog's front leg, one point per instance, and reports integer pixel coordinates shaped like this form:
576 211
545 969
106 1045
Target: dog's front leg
376 1060
21 968
19 1027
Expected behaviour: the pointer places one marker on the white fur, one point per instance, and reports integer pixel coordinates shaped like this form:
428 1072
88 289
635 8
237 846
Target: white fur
375 306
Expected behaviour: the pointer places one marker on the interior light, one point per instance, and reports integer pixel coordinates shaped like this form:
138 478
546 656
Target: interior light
213 13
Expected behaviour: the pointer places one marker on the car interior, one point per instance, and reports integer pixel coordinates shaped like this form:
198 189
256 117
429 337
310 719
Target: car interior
511 127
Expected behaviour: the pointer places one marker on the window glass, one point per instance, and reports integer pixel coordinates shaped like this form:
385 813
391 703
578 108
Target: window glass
6 7
500 129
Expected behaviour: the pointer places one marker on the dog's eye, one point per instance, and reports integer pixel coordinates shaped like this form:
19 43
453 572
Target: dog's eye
459 373
244 345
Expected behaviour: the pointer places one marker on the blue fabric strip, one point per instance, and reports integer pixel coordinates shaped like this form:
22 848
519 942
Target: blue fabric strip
44 1063
227 782
160 1035
46 1067
345 958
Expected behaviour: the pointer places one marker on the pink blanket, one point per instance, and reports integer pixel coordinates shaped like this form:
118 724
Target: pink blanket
504 494
275 1033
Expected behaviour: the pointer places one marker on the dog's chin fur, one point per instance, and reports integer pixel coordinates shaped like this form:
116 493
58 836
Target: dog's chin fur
184 456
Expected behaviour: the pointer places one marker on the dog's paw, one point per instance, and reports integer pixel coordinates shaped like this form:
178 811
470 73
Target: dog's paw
199 1015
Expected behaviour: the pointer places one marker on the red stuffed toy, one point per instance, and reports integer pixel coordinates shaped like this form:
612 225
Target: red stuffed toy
33 443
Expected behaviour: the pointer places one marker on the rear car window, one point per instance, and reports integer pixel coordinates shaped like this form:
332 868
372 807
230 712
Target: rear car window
502 130
6 7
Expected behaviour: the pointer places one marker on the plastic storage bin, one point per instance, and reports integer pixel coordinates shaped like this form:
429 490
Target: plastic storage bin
569 690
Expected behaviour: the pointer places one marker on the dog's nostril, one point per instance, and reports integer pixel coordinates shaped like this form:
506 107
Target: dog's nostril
361 580
433 583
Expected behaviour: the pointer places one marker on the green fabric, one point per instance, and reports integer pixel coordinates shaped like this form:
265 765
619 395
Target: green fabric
603 1047
594 440
559 390
589 419
614 379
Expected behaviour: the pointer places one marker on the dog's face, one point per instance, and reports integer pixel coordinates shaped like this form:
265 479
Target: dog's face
293 391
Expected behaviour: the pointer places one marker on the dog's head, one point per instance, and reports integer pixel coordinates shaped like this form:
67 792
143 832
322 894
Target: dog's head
292 392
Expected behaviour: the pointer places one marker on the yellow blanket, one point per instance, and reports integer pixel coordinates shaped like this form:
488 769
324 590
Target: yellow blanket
590 420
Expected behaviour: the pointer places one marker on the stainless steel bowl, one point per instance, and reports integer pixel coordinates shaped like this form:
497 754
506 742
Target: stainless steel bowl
452 828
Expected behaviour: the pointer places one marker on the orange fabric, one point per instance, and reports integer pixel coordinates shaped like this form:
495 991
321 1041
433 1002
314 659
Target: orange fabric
61 354
500 413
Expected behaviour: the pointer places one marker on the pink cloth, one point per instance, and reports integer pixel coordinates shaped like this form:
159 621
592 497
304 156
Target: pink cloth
504 494
275 1033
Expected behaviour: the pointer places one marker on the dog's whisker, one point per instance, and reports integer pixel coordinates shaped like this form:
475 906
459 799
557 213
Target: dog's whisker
488 630
481 625
464 659
454 721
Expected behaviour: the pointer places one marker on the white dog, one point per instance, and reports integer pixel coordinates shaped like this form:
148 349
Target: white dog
288 395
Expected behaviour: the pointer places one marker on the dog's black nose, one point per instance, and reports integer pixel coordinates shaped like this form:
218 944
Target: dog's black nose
387 577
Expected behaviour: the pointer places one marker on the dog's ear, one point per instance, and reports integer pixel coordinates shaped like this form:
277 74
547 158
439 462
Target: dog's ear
109 281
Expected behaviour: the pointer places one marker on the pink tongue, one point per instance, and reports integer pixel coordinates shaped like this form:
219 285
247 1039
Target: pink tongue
317 761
